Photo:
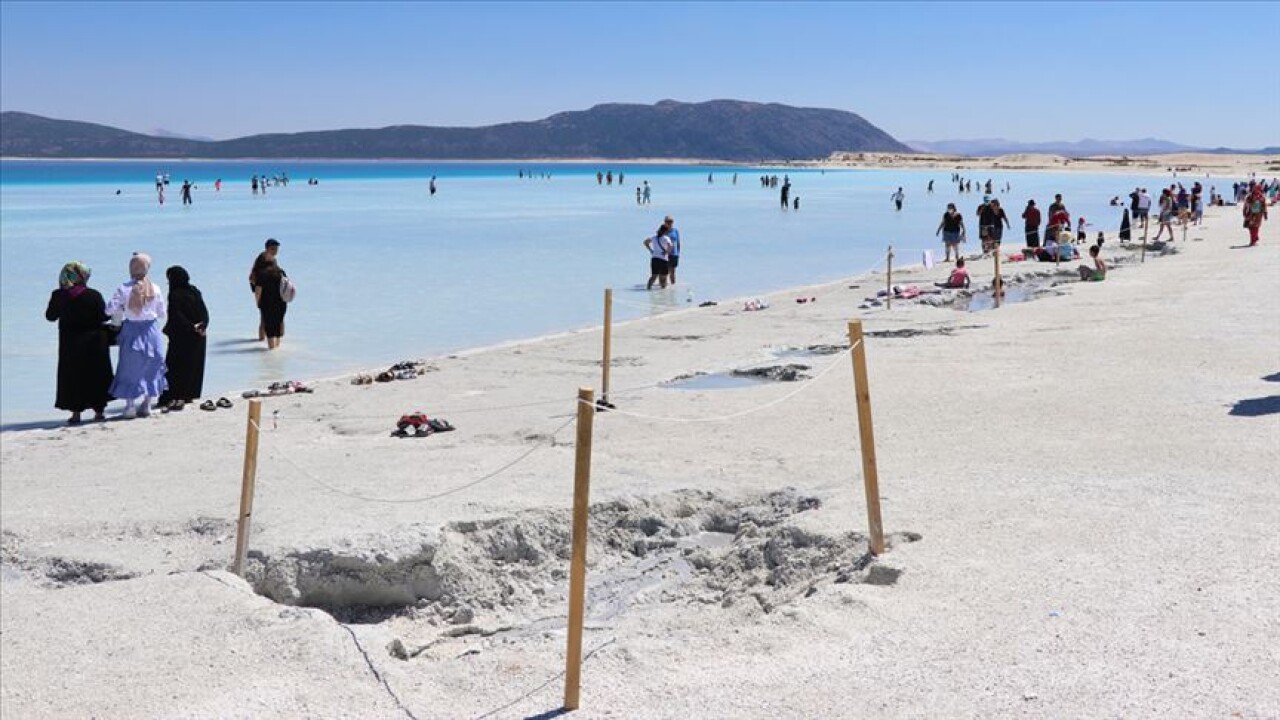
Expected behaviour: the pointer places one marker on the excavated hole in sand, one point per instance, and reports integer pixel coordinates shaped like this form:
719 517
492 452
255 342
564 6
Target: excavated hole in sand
682 546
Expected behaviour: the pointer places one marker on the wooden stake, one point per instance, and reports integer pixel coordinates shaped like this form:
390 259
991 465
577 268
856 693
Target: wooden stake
578 559
998 283
869 477
888 280
607 359
246 485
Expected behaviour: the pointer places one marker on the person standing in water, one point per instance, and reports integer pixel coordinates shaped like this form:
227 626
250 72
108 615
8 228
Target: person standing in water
673 258
952 230
638 195
897 198
432 186
647 199
659 247
786 195
271 303
269 253
186 192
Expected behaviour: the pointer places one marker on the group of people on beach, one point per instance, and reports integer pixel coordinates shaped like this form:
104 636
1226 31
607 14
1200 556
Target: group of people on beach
136 318
606 177
144 374
1176 202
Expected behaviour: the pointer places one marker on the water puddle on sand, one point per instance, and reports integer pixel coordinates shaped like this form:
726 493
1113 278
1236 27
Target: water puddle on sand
985 301
714 381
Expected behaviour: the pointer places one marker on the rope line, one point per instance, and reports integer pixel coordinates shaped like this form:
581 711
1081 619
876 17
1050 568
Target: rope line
740 413
543 686
425 498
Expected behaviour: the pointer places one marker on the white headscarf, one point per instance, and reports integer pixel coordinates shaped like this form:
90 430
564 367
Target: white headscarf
144 291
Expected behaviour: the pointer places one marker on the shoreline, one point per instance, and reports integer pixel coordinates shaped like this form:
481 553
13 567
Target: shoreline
39 424
1050 462
1246 162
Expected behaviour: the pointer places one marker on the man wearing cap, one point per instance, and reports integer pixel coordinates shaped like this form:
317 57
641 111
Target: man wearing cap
673 258
268 254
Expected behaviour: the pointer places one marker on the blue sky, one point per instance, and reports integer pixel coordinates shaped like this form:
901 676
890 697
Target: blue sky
1024 71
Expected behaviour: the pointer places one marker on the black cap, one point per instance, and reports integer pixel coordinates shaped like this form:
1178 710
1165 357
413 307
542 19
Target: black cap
272 242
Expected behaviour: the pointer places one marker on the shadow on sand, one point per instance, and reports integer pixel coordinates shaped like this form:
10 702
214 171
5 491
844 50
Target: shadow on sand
1256 407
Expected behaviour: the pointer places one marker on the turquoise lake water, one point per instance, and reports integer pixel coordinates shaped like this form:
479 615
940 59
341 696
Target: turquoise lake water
386 272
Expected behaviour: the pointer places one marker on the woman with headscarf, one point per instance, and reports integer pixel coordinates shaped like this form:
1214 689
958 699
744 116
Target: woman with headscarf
1255 211
186 326
271 305
84 355
140 370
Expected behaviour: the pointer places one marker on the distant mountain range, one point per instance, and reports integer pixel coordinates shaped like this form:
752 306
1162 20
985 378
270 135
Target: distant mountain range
988 147
726 130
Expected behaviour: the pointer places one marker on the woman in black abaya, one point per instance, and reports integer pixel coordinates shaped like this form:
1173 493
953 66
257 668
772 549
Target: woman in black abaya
187 324
84 355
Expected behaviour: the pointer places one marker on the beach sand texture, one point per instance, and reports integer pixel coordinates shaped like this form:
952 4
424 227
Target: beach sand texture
1080 493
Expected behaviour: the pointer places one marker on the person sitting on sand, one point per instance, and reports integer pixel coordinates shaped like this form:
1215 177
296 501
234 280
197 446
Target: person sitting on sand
959 277
1099 270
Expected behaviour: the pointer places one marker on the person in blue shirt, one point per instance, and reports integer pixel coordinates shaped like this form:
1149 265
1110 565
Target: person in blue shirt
673 258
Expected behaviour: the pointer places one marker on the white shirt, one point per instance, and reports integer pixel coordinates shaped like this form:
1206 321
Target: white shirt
1144 202
659 247
118 306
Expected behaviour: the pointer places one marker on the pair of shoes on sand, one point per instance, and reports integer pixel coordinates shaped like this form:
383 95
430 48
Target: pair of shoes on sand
394 374
210 405
420 425
284 387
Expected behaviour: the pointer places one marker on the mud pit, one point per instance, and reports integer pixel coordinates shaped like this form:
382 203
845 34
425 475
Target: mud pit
687 546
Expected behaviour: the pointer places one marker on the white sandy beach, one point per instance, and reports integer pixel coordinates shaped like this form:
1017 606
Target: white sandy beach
1080 492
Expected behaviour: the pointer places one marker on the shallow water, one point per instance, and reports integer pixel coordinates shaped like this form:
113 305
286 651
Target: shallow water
715 381
385 271
986 300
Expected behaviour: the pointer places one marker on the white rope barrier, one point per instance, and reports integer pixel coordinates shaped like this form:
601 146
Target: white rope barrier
274 450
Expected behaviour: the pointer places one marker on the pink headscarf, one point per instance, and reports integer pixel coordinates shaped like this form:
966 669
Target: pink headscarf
144 291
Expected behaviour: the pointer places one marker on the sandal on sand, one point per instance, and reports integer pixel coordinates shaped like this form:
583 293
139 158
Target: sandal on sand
362 379
439 425
208 405
223 403
385 376
246 395
406 374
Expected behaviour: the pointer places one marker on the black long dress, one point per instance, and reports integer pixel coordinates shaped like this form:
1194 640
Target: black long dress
84 353
185 358
270 305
